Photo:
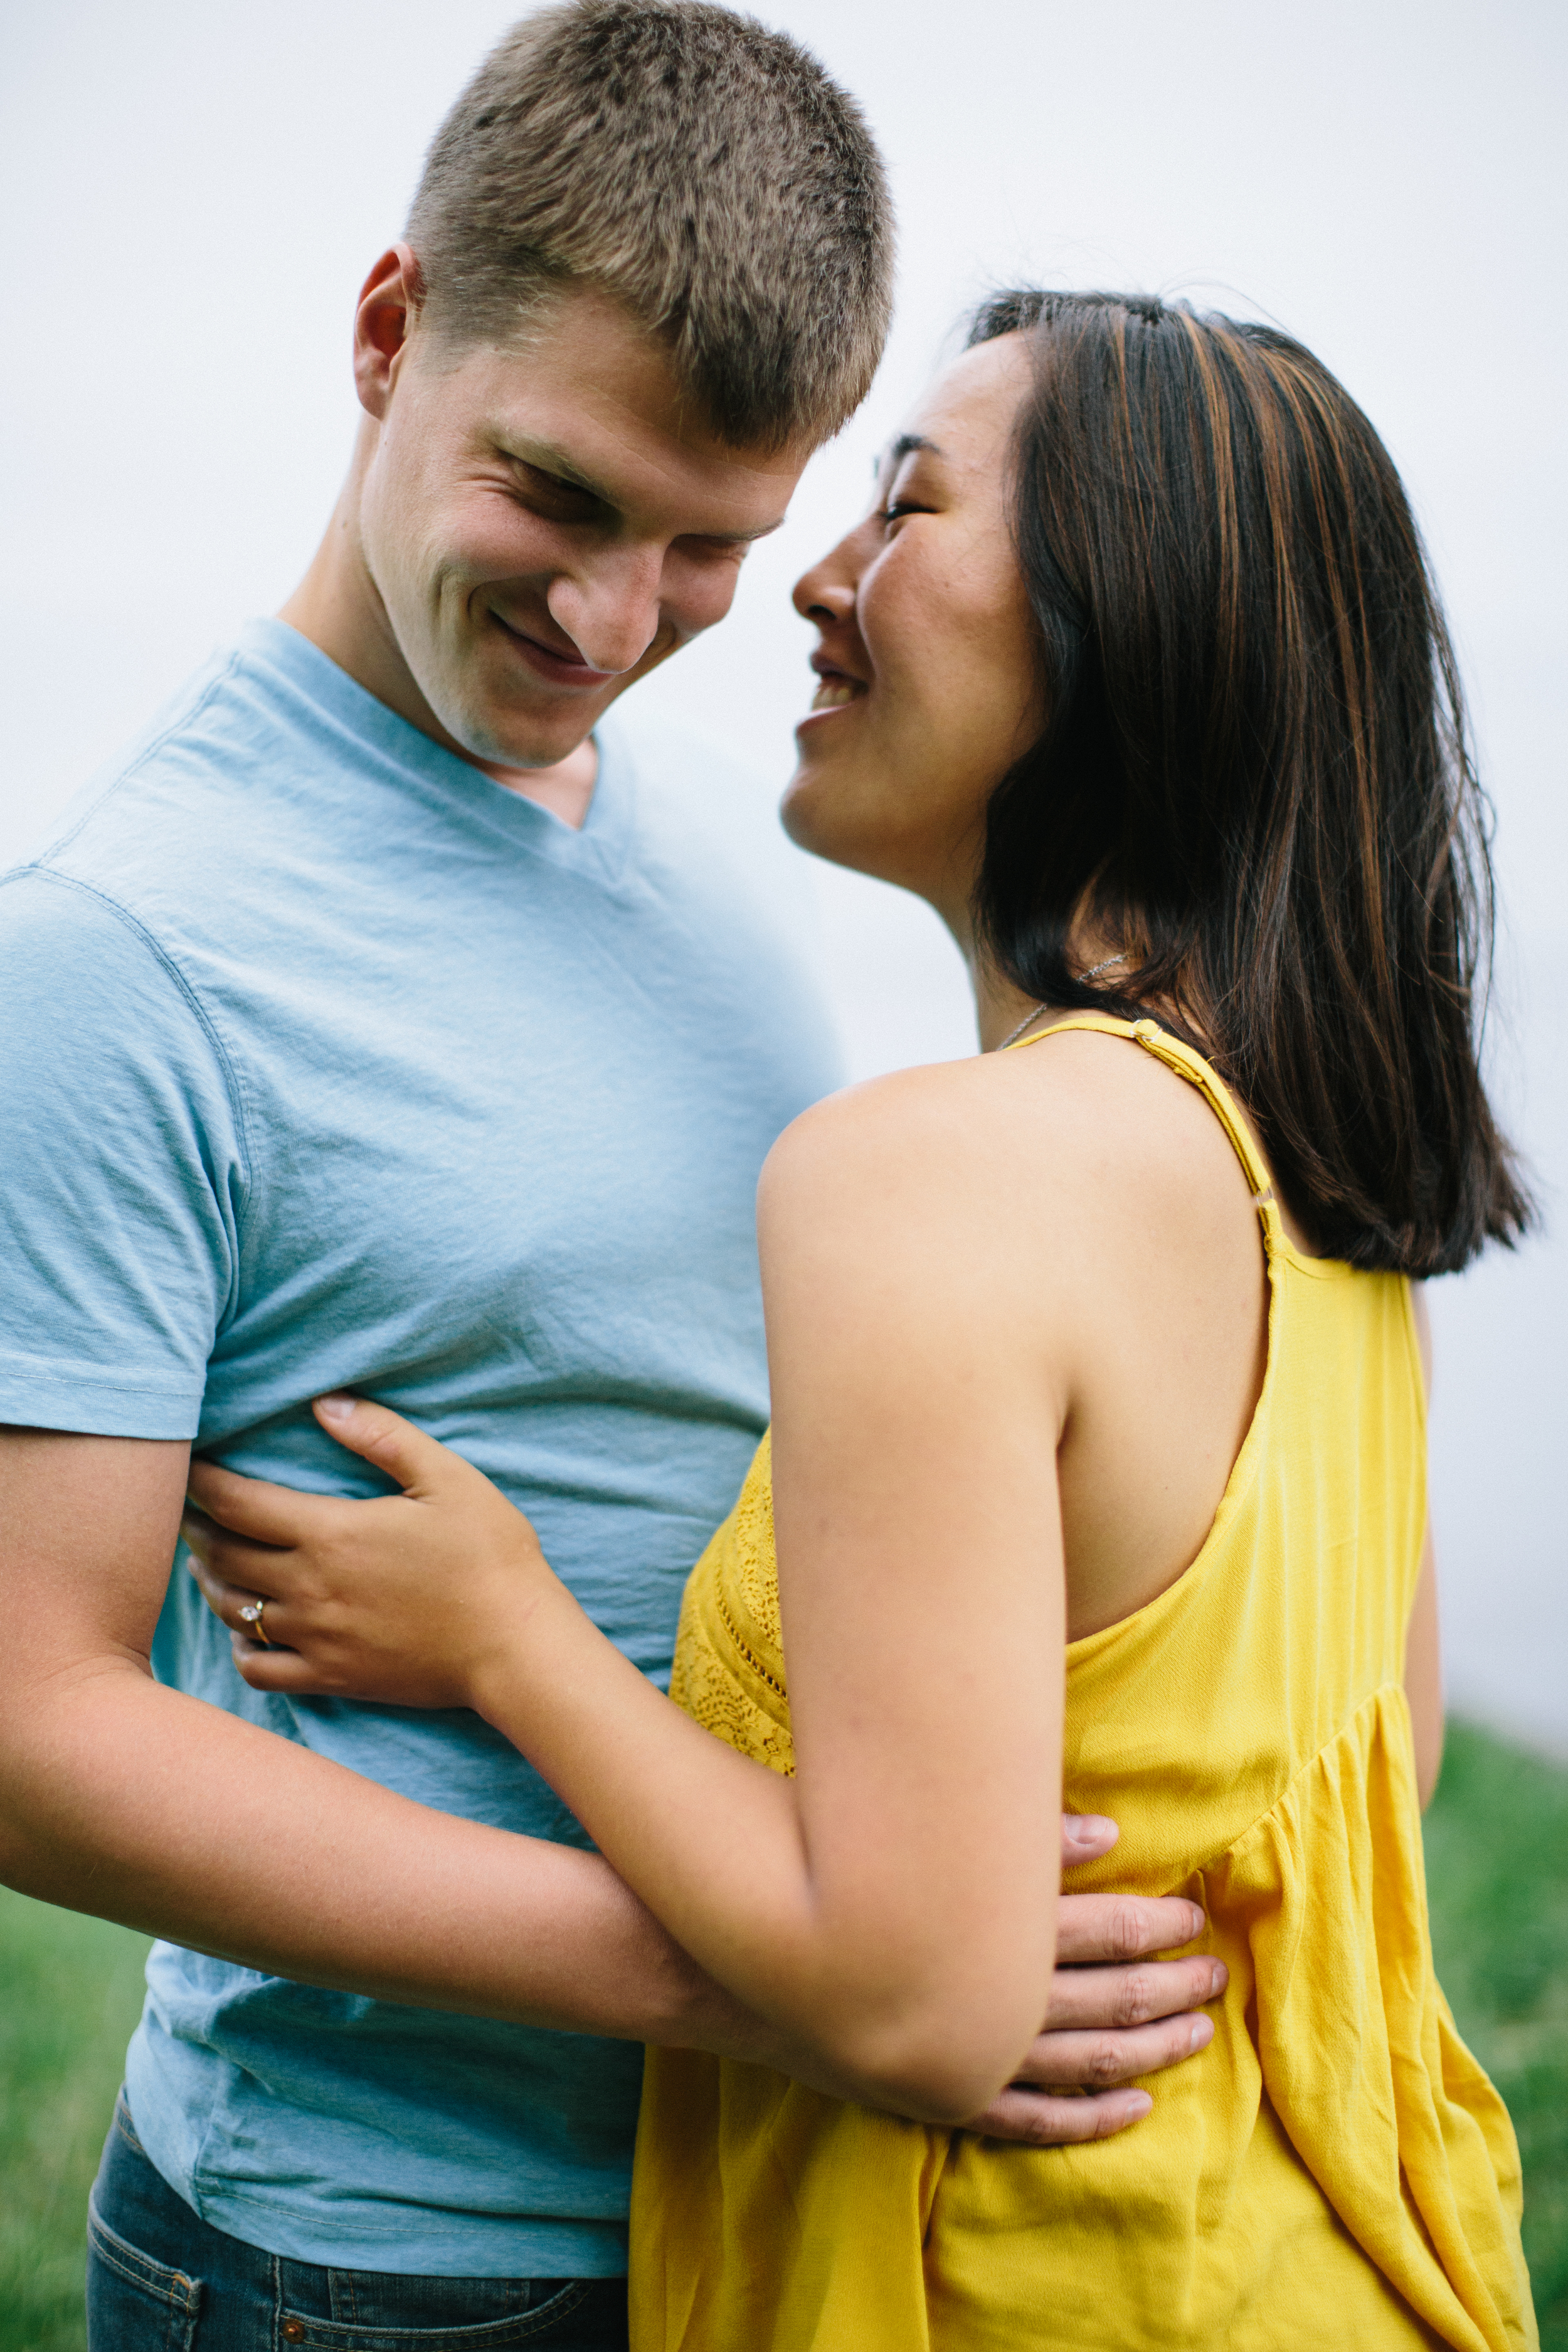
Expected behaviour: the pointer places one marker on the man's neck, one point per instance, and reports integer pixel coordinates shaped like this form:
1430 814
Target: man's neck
339 609
566 790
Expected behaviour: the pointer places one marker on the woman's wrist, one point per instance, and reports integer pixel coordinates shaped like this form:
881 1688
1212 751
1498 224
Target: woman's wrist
538 1639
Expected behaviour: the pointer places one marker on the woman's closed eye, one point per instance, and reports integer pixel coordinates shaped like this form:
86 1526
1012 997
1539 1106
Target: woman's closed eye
906 470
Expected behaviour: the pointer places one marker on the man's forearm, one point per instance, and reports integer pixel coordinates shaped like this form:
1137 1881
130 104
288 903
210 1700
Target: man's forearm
142 1805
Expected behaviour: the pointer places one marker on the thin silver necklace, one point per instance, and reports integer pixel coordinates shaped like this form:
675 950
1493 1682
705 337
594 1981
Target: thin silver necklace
1034 1013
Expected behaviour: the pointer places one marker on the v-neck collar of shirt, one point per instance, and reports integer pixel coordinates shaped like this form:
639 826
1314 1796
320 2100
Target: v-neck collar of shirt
598 846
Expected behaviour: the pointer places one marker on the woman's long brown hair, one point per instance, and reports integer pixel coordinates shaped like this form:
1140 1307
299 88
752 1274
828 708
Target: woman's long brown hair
1255 772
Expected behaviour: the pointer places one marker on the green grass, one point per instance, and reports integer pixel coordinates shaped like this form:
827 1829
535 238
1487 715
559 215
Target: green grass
70 1992
1497 1870
1496 1850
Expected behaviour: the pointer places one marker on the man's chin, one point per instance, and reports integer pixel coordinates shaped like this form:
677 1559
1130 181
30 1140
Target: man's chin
522 742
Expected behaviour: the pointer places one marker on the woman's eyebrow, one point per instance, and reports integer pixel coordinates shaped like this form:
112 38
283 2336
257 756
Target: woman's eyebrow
907 444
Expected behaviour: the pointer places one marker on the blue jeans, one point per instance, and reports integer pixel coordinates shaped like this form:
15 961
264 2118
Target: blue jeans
160 2279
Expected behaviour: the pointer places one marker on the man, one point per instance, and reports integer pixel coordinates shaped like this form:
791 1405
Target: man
386 1021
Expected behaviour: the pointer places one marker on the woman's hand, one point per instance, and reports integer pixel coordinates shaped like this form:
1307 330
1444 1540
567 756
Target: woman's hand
406 1598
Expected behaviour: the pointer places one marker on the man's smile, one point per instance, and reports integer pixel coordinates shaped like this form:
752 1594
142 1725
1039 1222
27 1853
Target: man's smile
556 668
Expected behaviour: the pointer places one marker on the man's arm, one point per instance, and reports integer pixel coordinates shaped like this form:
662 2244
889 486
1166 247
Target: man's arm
140 1804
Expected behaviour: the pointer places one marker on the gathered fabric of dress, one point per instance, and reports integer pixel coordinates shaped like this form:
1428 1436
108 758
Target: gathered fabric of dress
1335 2170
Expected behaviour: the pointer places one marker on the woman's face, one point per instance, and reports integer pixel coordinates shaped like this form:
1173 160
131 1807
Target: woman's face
927 660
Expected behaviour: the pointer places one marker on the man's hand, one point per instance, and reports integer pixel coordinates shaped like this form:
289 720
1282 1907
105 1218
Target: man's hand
1115 2010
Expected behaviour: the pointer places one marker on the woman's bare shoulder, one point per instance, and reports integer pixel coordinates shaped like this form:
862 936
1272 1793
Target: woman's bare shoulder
931 1139
1070 1115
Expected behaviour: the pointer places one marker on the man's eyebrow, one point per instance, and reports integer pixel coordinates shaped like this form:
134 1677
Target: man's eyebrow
545 458
743 538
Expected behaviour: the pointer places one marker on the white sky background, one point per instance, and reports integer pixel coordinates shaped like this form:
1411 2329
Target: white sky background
194 189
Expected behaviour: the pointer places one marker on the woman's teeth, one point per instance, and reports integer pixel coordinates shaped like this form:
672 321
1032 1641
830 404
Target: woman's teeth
833 691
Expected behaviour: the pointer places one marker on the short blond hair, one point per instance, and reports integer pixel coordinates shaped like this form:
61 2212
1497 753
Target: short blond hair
702 170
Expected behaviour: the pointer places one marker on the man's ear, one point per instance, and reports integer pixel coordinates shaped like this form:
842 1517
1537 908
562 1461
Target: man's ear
389 303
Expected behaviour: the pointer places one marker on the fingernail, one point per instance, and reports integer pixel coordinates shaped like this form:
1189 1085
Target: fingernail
1139 2104
1198 1920
1202 2034
335 1407
1219 1978
1086 1828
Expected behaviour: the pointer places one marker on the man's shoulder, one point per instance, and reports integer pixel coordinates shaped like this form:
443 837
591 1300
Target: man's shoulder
182 774
221 797
72 832
79 958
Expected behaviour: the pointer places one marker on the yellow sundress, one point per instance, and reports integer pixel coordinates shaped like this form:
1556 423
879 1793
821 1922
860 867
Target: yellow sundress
1335 2170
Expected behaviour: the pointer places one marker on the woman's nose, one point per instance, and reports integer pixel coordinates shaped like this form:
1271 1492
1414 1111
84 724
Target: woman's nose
823 595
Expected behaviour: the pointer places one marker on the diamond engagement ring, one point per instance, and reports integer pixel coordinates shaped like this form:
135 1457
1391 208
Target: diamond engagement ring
251 1612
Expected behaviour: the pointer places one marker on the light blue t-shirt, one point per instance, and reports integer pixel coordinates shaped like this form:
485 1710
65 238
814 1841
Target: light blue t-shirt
326 1062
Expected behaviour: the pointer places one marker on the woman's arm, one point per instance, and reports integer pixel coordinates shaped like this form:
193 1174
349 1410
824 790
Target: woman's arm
917 1405
1422 1652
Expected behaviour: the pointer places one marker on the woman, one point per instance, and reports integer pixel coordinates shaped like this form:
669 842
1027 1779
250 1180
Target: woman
1134 672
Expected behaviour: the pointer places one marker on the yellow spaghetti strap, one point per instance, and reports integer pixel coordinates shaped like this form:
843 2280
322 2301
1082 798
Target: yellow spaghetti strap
1191 1065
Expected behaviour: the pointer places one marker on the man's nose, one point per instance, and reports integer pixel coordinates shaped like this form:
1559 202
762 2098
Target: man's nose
610 610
